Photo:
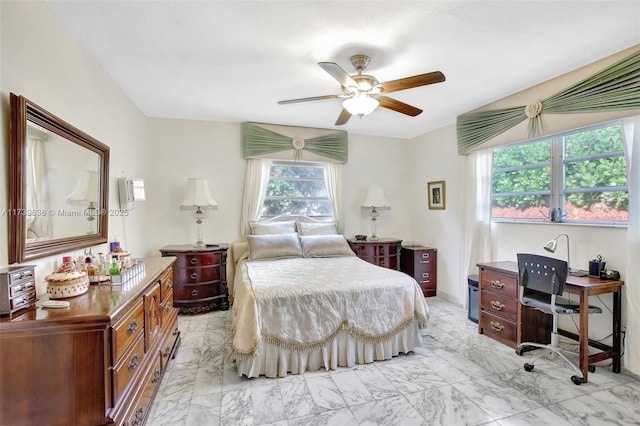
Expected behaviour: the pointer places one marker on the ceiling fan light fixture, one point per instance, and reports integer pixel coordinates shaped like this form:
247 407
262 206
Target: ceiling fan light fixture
360 104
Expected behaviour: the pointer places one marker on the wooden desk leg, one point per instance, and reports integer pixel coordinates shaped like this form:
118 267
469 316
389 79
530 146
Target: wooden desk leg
617 323
584 334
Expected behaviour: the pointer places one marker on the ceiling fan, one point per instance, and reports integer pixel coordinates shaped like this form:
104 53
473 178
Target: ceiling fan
363 93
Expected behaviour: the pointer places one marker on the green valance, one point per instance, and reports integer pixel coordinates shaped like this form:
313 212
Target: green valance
258 141
617 87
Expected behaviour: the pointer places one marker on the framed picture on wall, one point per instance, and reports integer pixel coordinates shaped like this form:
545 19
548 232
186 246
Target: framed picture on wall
436 195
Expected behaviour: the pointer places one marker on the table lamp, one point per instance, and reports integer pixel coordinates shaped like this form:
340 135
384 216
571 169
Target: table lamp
375 200
86 193
198 197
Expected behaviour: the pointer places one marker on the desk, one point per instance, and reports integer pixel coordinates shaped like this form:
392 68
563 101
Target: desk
581 286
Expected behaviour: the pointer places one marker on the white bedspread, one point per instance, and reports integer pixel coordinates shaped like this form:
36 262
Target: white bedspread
302 304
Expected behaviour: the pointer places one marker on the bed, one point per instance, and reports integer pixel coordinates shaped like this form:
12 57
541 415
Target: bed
303 301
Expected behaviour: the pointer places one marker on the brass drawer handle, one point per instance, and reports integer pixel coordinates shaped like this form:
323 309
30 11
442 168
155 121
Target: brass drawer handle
497 305
156 376
425 262
169 284
166 352
425 255
497 284
425 275
194 276
139 417
176 331
194 292
134 362
193 261
497 326
133 326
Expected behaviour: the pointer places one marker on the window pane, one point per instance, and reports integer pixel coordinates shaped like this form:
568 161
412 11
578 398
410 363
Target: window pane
299 188
593 142
520 155
609 171
522 180
296 188
611 206
520 207
294 206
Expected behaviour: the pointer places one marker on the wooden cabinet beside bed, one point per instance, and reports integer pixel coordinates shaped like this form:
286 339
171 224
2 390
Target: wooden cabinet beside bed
97 362
384 252
200 277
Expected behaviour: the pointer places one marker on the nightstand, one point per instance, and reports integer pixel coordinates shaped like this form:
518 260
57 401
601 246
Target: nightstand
422 264
383 252
200 277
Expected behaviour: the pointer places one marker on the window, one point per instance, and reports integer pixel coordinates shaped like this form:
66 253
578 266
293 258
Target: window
577 176
296 188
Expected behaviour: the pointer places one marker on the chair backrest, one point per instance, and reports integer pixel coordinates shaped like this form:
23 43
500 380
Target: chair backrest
542 273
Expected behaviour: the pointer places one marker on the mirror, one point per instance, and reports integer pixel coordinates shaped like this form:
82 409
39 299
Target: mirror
58 185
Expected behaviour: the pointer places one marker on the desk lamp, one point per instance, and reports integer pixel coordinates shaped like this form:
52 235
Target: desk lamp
551 247
198 197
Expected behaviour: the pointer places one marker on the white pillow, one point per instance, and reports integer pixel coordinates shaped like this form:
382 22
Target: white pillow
264 228
273 246
325 246
326 228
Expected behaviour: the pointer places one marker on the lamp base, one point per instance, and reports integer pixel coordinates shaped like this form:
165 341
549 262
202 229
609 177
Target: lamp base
373 238
199 244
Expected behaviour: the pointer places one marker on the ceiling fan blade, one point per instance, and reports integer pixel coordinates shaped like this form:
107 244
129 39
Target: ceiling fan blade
396 105
343 117
414 81
313 98
338 73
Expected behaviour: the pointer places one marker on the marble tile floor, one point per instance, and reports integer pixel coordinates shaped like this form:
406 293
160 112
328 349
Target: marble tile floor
457 377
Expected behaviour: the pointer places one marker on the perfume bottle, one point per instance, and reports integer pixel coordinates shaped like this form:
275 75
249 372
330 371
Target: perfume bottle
115 269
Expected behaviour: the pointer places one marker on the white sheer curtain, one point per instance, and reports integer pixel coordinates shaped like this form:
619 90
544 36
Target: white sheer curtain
38 226
476 209
333 180
256 179
631 137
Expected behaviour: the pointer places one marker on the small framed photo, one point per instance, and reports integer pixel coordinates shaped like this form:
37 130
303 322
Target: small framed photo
436 195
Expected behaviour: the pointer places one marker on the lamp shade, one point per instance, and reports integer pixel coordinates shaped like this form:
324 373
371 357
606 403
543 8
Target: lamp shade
87 189
360 104
198 195
551 246
376 198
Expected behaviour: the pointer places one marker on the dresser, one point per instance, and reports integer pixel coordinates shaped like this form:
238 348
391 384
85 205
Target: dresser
200 277
384 252
97 362
17 289
422 264
500 315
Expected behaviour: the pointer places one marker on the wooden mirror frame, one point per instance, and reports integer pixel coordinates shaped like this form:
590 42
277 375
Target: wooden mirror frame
23 111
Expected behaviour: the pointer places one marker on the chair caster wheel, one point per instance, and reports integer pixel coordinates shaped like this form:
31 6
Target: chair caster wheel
528 367
576 380
592 368
519 351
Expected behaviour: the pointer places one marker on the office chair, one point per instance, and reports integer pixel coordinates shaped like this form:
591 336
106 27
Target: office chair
542 281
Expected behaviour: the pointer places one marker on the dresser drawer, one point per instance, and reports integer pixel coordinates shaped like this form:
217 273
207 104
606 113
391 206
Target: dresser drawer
127 366
140 409
197 259
499 305
166 285
196 275
499 283
23 286
125 331
498 328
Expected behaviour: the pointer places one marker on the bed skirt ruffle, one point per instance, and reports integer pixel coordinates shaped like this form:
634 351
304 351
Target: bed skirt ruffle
343 351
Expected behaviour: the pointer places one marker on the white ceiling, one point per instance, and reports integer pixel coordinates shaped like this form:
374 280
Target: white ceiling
232 61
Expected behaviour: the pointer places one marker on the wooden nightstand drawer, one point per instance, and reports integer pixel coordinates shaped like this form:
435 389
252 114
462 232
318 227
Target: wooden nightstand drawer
190 260
383 252
196 275
195 292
